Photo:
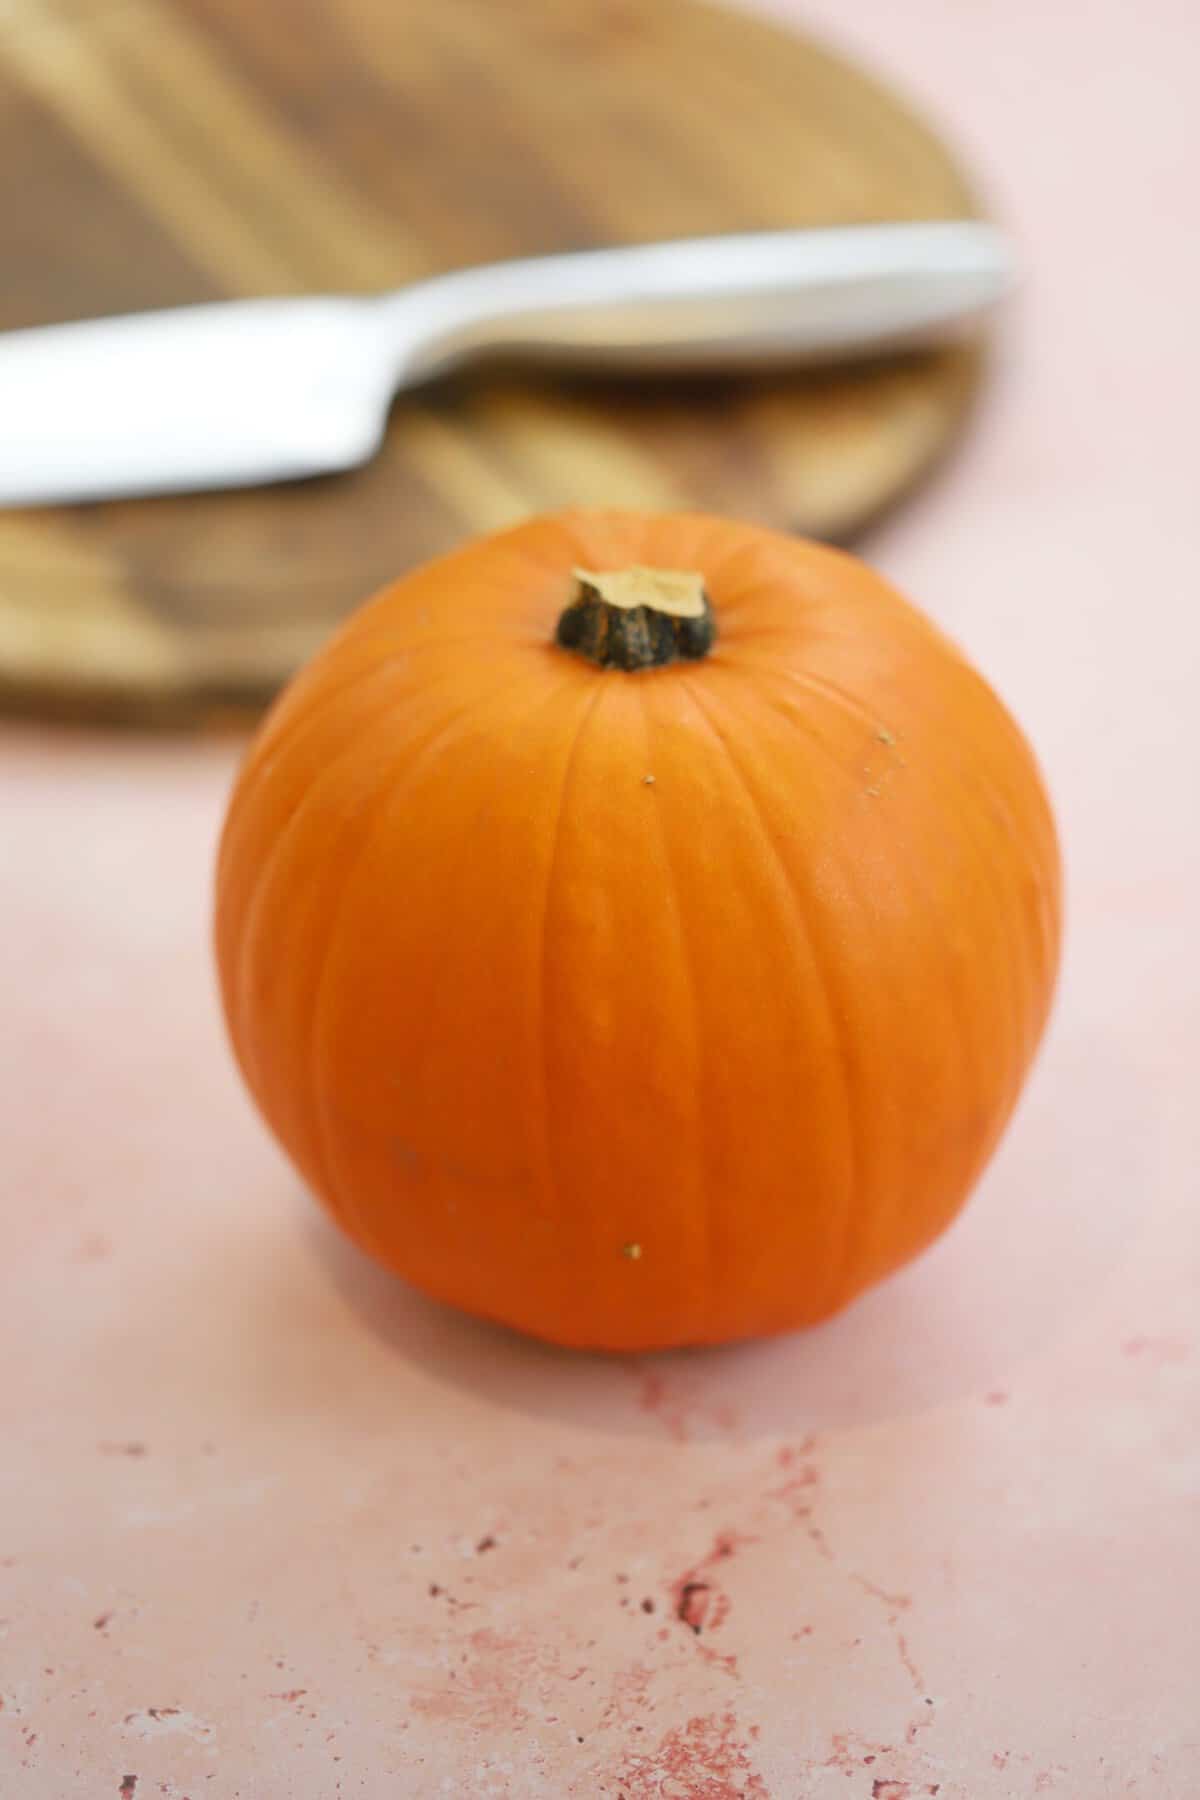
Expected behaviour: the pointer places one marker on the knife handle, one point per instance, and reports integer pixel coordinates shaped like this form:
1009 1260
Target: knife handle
807 296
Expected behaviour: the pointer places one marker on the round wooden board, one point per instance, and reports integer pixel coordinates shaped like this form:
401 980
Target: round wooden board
162 151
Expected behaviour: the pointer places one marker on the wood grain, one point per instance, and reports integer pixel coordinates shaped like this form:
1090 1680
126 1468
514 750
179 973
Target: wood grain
159 151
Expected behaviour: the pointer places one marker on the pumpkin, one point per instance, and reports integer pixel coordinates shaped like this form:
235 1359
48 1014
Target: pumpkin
637 929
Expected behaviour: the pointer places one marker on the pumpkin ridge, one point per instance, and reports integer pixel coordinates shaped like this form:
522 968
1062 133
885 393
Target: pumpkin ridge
253 900
909 865
961 790
586 712
280 731
949 776
957 788
803 914
294 732
336 907
263 754
687 964
387 646
441 734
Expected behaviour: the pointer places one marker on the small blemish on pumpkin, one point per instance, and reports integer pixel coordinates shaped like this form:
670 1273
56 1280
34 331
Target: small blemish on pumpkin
873 792
632 1251
647 781
885 736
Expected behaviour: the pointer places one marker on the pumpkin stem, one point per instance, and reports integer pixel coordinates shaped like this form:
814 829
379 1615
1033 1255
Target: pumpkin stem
638 618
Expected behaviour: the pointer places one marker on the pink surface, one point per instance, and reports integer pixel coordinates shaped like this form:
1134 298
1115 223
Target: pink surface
272 1526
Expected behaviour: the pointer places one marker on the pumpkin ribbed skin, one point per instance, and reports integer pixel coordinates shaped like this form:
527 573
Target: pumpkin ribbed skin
639 1008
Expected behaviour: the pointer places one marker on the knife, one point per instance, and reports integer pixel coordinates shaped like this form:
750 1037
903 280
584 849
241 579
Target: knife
249 391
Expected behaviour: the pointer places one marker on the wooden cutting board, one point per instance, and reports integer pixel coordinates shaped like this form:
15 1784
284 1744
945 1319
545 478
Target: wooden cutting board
161 151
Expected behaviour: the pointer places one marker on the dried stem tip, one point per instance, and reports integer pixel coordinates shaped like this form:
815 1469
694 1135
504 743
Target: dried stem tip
638 618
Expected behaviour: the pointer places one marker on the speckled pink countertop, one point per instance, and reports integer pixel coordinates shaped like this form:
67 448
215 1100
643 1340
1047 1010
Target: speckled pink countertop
270 1526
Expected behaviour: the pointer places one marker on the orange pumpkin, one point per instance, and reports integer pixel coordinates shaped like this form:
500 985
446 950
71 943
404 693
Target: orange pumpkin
637 929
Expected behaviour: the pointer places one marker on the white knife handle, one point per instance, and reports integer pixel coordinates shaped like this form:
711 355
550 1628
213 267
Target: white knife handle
803 296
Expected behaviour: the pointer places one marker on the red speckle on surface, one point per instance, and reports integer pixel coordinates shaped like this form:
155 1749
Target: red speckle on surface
918 1725
133 1447
630 1697
726 1661
718 1611
706 1759
499 1670
692 1604
799 1491
1000 1759
290 1695
849 1752
885 1789
487 1542
696 1599
914 1674
128 1787
654 1398
997 1397
897 1602
100 1623
806 1476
